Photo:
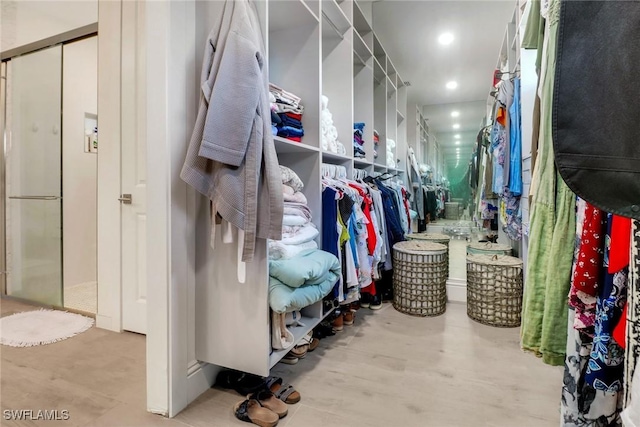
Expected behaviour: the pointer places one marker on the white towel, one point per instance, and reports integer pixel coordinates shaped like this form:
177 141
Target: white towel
296 197
279 250
306 234
294 220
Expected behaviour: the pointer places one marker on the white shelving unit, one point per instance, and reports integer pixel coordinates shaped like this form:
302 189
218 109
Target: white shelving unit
314 48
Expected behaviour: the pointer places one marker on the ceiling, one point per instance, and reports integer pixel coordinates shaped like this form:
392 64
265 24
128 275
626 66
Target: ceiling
409 32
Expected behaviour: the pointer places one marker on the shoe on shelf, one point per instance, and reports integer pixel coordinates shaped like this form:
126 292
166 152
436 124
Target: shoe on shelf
338 323
376 302
290 359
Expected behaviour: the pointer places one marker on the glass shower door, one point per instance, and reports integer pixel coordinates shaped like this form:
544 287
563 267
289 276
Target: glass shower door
33 177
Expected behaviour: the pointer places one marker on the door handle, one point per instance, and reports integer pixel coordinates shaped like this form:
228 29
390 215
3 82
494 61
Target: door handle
125 199
35 197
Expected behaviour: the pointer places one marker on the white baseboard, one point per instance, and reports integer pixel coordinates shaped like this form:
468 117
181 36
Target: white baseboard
200 378
106 322
457 290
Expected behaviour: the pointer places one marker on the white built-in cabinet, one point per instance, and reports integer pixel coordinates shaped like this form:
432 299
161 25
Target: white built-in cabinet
314 48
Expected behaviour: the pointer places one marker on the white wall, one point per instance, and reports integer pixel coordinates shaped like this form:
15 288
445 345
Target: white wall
23 22
79 168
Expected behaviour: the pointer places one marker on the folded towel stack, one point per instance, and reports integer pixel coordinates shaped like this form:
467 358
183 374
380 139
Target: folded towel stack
329 132
286 113
298 232
358 140
391 158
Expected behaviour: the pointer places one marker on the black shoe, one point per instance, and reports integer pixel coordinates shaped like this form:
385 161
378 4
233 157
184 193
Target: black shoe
365 300
376 302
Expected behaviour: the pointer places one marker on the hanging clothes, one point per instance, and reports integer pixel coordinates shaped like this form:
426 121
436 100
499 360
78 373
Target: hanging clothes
632 351
552 222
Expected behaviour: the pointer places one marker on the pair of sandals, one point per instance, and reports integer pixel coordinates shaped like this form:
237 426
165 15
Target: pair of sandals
266 407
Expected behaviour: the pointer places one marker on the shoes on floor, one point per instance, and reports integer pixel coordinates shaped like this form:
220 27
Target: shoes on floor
282 390
268 400
348 317
376 302
338 323
365 300
252 411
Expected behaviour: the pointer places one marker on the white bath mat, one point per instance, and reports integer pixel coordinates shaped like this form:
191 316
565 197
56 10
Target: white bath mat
40 327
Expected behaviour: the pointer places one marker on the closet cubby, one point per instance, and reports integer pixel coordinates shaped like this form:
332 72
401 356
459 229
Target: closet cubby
294 59
315 48
380 119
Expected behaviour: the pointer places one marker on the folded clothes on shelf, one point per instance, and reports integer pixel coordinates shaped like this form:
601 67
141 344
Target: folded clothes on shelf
286 113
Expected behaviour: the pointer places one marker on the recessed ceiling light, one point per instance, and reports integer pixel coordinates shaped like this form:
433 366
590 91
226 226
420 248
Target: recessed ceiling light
456 136
457 142
452 84
455 113
445 39
456 126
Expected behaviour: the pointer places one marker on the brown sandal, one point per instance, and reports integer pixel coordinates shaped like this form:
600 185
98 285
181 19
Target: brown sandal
251 411
269 401
284 392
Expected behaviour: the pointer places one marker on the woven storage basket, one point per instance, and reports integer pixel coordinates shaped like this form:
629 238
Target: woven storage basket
420 278
488 248
452 210
494 289
443 239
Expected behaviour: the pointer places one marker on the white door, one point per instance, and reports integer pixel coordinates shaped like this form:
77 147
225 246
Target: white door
133 170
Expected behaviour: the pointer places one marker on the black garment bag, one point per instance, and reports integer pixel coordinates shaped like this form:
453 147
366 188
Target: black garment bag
596 104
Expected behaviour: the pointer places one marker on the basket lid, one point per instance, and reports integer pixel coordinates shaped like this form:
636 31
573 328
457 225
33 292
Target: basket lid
420 247
427 236
488 246
502 260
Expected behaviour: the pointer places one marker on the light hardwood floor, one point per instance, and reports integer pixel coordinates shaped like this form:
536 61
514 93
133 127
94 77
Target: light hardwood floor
388 370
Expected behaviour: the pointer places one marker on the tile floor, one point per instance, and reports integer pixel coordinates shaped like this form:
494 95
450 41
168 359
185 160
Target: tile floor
388 370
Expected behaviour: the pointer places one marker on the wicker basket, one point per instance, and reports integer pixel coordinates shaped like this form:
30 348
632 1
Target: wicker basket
443 239
494 290
420 278
488 248
452 210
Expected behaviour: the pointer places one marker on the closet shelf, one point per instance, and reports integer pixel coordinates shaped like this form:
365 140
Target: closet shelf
360 23
361 162
336 17
361 49
378 71
286 146
400 117
298 333
327 155
284 15
379 166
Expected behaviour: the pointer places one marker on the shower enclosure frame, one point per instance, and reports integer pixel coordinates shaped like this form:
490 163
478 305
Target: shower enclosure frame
74 35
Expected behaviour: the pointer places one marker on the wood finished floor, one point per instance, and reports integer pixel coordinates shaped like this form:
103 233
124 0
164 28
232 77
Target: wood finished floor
388 370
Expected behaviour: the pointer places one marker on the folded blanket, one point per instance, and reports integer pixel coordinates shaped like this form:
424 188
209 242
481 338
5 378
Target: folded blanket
302 280
306 234
287 190
297 197
294 220
297 209
291 178
279 250
291 230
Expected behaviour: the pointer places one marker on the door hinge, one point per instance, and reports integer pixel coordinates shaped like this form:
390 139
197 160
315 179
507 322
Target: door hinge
125 199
